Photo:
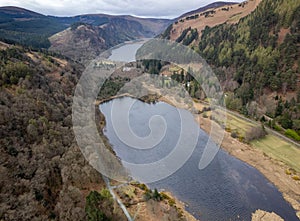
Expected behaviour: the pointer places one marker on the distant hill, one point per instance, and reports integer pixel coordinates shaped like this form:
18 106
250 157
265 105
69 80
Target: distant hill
210 6
33 29
28 28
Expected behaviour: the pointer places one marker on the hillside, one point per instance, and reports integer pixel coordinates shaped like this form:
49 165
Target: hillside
255 56
41 165
258 60
32 29
44 175
84 42
205 8
28 28
211 16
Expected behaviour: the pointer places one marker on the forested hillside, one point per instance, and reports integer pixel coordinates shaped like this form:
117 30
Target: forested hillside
44 175
28 28
21 26
258 60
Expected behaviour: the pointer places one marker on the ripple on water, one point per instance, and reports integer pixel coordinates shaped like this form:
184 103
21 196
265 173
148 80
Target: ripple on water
228 189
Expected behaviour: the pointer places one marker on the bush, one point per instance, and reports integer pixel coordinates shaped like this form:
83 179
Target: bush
228 129
234 134
288 172
105 194
286 121
148 195
155 195
205 109
93 200
276 127
142 186
292 134
255 133
241 138
165 196
12 72
171 202
295 177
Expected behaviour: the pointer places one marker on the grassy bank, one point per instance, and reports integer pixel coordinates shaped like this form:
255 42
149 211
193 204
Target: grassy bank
271 145
279 149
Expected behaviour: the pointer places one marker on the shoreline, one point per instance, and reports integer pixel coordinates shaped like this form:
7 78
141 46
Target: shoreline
106 54
179 205
272 169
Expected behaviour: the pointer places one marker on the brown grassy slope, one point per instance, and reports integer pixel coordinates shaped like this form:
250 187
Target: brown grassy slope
234 14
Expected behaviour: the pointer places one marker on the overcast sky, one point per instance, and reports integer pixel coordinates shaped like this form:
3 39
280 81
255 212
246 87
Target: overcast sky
143 8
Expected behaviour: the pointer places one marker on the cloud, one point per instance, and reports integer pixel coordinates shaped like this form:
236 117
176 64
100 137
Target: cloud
144 8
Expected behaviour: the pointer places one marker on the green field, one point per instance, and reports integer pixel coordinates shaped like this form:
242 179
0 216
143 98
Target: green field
279 149
271 145
235 123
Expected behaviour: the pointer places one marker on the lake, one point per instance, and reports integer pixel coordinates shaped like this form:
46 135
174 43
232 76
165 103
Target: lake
228 189
126 52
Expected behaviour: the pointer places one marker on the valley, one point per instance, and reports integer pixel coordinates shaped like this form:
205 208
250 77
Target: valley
49 171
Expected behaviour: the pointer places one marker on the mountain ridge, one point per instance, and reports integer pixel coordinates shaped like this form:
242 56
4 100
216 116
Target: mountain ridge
22 26
209 16
204 8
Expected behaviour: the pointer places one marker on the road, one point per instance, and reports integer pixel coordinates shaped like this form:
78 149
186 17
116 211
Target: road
269 130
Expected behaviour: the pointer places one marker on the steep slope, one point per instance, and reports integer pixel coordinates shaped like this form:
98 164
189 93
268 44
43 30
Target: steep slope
44 176
205 8
27 27
256 58
260 57
213 15
84 41
33 29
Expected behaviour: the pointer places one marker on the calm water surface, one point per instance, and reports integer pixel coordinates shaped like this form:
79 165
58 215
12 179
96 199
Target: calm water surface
126 52
228 189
